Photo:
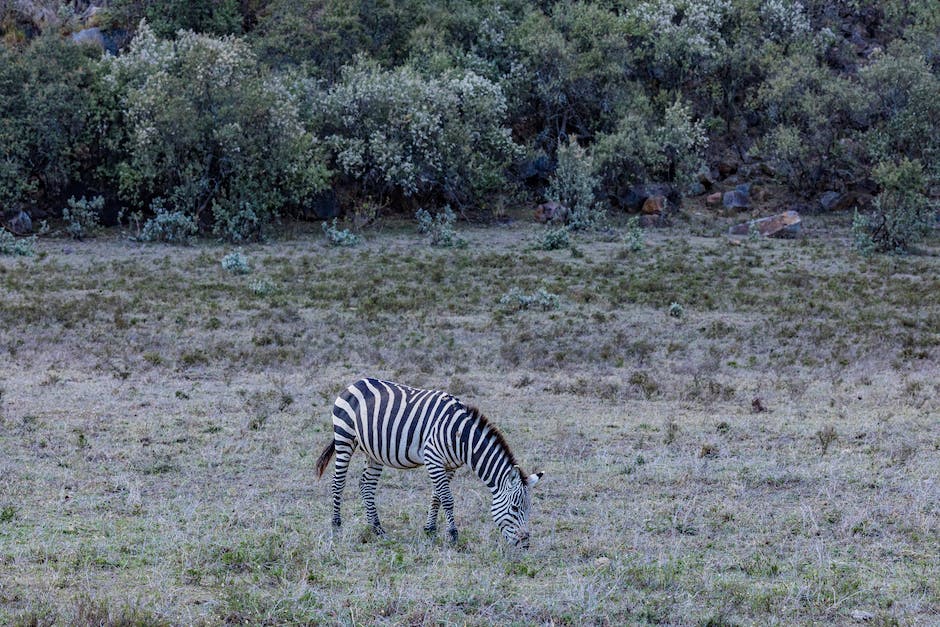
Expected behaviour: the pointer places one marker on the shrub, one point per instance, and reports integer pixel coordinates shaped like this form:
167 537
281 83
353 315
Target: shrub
554 239
208 133
340 237
174 227
904 106
641 150
517 300
676 310
82 217
573 184
10 245
46 111
397 132
440 227
634 237
236 263
806 111
902 212
680 39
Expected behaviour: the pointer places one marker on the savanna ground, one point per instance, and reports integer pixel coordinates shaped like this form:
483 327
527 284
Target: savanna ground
161 417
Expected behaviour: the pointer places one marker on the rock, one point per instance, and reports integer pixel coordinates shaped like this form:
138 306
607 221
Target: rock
551 212
696 189
786 224
636 195
726 168
602 562
736 199
706 177
862 616
654 205
20 223
713 199
834 201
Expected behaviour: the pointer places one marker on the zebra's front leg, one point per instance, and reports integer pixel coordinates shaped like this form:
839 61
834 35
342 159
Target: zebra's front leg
441 479
430 526
370 476
343 453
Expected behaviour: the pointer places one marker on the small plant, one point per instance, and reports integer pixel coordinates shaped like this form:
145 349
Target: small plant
902 212
236 263
826 436
634 237
517 300
10 245
262 287
672 430
340 237
676 310
7 513
554 239
173 227
440 227
82 217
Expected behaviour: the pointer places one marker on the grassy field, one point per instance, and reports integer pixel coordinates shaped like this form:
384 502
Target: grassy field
768 454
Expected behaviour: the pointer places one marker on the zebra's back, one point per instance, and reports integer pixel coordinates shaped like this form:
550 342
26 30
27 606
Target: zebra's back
391 422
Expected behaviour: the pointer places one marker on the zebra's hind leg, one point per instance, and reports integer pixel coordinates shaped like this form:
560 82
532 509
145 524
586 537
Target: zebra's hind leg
343 452
370 476
430 526
441 479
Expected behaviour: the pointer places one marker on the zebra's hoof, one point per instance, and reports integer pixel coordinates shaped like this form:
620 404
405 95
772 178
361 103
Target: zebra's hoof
452 534
432 530
379 531
337 524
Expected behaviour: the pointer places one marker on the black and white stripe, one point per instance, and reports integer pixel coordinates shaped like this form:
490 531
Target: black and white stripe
403 427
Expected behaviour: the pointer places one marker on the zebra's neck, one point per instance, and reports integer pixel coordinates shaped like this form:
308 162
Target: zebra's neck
485 450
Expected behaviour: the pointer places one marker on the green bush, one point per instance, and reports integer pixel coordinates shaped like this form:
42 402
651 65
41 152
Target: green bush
166 17
904 105
573 184
643 150
397 132
82 217
440 227
807 110
208 133
46 111
902 212
340 237
10 245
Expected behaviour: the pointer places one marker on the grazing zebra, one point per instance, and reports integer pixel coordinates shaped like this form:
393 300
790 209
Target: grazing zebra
404 427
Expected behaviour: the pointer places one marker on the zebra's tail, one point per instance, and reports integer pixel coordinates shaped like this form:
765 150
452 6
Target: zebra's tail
325 458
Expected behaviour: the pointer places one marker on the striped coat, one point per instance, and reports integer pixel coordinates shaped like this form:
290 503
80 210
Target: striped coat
404 427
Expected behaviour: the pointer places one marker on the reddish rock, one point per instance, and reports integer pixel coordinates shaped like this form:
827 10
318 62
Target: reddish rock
726 169
551 212
713 199
786 224
654 205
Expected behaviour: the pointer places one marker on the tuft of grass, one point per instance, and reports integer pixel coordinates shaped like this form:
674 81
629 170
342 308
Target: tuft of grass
826 436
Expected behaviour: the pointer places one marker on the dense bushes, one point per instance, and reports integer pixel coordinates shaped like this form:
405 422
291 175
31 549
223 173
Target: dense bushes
208 133
223 115
46 108
398 132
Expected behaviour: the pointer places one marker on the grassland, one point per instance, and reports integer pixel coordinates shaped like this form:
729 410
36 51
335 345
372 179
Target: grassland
160 419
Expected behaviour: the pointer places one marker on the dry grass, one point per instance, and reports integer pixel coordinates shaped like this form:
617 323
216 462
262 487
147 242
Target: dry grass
160 419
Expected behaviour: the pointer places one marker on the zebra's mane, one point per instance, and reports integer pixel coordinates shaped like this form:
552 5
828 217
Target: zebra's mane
478 416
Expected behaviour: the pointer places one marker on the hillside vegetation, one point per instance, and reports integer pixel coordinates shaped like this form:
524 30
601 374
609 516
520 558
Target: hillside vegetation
219 117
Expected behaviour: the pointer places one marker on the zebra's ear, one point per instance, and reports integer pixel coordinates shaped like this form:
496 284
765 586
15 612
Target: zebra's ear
533 479
515 478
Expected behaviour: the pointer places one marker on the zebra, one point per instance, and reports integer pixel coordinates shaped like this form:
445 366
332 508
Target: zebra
405 427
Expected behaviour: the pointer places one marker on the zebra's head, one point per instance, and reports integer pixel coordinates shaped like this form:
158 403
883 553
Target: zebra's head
511 504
